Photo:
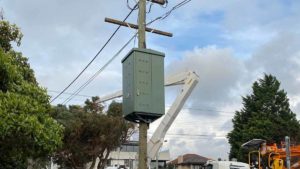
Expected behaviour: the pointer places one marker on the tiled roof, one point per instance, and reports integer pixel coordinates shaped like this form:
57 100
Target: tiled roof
190 159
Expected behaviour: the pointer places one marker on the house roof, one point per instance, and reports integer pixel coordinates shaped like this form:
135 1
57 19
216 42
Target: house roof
190 159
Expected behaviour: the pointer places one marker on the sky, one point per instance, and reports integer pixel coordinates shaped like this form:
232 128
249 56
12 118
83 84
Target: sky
229 44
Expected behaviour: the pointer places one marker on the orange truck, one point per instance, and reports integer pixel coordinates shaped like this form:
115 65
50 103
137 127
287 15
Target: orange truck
263 155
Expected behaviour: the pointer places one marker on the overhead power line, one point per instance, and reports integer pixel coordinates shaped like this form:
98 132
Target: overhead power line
194 135
132 8
184 108
165 15
192 139
101 69
206 110
81 100
98 72
109 39
68 93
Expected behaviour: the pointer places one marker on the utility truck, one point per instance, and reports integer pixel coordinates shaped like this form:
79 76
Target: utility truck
263 154
212 164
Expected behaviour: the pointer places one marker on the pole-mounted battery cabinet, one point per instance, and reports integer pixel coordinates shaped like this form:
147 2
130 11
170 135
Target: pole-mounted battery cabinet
143 85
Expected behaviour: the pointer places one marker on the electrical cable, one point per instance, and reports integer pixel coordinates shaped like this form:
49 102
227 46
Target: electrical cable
166 4
200 109
184 108
192 135
81 100
68 93
93 57
134 8
98 72
101 69
150 7
165 15
192 139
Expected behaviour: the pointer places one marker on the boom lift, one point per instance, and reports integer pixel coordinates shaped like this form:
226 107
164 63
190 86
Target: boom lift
271 155
189 80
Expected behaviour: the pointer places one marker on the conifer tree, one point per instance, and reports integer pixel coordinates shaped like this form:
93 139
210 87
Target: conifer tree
266 115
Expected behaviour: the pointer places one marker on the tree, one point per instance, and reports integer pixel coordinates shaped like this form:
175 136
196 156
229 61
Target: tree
9 33
90 133
170 166
26 129
266 115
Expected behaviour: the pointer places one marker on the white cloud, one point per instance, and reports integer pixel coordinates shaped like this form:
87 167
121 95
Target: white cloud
225 78
279 57
62 36
219 72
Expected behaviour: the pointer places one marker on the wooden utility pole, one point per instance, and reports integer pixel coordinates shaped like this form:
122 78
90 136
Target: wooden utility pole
143 145
142 24
143 126
143 123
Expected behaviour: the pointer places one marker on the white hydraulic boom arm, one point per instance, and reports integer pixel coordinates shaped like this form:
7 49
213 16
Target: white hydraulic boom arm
171 81
189 80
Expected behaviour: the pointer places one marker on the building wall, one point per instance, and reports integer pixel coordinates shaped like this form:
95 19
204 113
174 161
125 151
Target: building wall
183 167
130 159
127 156
188 167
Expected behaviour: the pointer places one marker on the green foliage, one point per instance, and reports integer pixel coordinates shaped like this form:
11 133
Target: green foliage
15 73
266 115
91 106
170 166
89 133
115 109
9 33
26 129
